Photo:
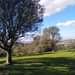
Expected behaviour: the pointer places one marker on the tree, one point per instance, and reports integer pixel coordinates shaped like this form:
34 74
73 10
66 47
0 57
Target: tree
16 18
53 34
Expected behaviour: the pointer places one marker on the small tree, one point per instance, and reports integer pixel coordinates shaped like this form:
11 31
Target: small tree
16 18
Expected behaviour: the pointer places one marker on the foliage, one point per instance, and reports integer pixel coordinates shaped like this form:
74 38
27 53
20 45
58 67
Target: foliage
16 18
2 53
50 38
22 50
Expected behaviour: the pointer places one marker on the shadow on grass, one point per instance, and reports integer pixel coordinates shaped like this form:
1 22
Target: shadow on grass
40 66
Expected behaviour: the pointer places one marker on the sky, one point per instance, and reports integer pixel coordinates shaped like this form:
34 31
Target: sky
60 13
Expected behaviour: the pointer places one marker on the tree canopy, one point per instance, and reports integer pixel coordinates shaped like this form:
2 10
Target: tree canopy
52 35
16 18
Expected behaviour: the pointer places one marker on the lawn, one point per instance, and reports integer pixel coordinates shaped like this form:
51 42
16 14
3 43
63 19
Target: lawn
51 63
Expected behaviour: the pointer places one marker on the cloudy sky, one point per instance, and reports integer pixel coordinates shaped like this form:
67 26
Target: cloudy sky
60 13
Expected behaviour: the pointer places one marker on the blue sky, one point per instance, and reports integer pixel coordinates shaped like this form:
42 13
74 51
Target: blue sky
60 13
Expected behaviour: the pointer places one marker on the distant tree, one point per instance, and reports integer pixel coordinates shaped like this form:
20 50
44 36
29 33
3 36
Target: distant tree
43 41
16 18
53 34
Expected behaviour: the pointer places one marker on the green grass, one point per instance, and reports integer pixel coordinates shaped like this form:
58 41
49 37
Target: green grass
51 63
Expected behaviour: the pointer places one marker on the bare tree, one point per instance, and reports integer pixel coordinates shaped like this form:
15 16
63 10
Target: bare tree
16 18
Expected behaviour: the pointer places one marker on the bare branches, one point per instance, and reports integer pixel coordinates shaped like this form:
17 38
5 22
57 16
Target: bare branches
18 17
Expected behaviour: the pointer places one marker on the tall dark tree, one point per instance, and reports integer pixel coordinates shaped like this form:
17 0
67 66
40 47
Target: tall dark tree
16 18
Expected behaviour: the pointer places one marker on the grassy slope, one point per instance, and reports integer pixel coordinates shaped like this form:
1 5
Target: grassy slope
54 63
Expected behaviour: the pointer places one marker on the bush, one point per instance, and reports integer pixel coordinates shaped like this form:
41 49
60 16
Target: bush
2 53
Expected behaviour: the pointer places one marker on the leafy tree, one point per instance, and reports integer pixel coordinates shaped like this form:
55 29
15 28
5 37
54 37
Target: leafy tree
16 18
53 34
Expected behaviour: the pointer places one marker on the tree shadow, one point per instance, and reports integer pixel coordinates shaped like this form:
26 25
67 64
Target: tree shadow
40 66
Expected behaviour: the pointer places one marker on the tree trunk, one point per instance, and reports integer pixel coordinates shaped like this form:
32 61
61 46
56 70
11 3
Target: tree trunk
9 57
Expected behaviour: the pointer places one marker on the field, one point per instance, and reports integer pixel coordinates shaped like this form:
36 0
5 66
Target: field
51 63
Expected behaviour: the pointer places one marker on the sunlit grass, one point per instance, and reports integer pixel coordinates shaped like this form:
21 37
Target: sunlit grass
49 63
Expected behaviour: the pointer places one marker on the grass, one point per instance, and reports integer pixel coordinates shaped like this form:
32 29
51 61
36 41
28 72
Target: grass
51 63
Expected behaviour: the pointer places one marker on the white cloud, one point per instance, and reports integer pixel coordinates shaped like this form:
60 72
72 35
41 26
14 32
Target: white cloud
66 23
54 6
